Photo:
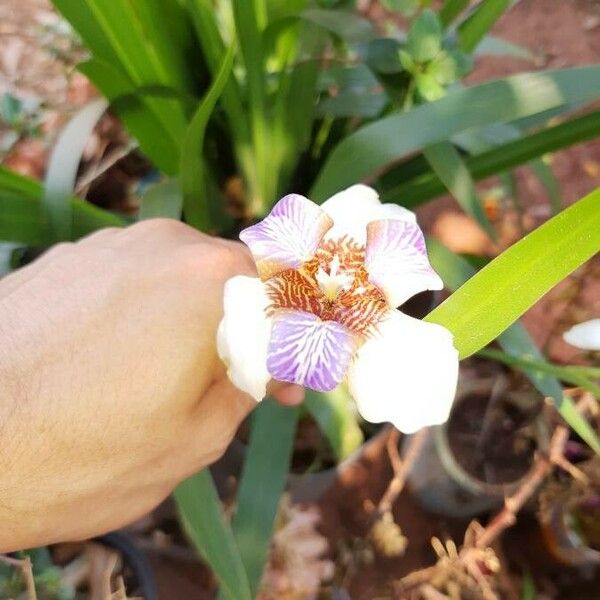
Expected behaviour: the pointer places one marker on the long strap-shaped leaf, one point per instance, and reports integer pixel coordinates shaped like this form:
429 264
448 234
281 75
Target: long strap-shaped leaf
203 519
425 186
503 290
195 196
23 219
158 141
249 19
378 144
452 171
477 24
63 164
515 341
262 483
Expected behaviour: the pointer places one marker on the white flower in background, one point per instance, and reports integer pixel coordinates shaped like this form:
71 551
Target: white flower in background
324 308
584 335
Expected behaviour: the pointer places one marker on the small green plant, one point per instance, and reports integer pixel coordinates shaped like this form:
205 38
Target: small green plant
21 118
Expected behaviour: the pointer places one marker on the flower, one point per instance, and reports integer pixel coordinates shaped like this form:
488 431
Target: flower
584 335
324 308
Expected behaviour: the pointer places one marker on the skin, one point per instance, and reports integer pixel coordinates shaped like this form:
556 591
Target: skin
113 392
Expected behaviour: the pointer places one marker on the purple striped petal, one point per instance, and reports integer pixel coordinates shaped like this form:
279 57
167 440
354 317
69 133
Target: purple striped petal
288 236
308 351
396 260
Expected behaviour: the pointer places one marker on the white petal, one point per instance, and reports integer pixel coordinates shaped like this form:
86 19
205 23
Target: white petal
406 374
353 208
584 335
244 333
396 260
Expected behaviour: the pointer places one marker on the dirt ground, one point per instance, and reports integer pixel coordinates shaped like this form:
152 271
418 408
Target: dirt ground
559 33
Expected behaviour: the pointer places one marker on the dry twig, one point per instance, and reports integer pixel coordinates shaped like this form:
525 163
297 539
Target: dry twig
401 467
102 165
463 568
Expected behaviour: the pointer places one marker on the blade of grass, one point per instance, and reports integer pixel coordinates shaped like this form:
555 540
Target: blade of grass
261 485
195 194
378 144
200 511
63 164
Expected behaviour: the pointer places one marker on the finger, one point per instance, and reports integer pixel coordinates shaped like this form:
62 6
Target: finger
288 394
216 419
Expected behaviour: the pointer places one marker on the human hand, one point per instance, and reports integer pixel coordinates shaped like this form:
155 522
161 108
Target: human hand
112 388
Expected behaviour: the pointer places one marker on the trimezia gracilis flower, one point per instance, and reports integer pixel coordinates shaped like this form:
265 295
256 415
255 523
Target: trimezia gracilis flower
324 308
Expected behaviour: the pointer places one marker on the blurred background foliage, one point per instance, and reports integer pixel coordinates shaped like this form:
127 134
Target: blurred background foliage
237 102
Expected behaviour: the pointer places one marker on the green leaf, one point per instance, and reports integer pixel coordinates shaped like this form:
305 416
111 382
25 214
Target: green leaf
546 177
163 199
133 33
381 55
479 22
20 185
495 46
156 139
378 144
428 87
195 197
424 39
295 102
7 250
449 66
202 517
246 14
420 187
453 172
489 302
11 109
528 590
22 219
262 483
204 19
358 77
516 342
63 164
352 104
334 413
451 10
571 374
407 7
344 24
